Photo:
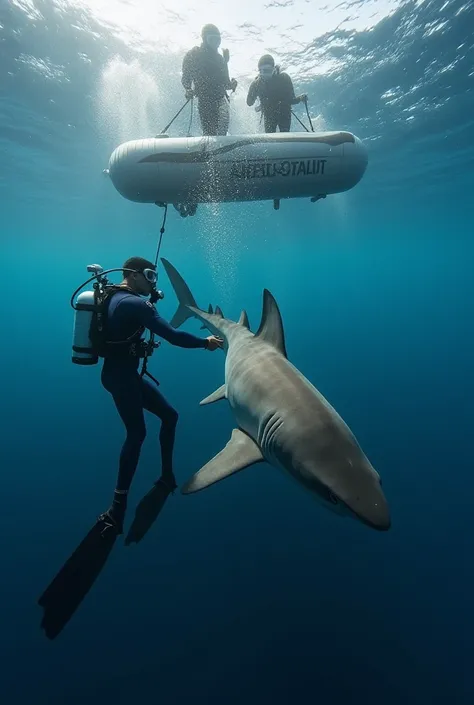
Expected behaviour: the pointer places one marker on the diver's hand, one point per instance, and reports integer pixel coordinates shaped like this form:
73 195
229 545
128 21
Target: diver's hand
233 85
303 98
189 93
213 343
226 55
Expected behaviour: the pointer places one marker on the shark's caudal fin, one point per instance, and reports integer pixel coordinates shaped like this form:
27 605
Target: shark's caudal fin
271 325
183 294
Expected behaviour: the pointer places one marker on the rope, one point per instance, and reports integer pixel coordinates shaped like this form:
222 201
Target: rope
144 370
191 118
162 230
301 123
177 114
309 116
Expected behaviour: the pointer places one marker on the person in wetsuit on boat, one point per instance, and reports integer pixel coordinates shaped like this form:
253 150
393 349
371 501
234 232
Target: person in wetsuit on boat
128 316
275 90
205 75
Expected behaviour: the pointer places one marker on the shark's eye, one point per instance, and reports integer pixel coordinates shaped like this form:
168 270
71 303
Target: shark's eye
333 498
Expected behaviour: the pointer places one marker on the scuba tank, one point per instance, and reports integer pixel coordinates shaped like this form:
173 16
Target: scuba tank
89 311
83 352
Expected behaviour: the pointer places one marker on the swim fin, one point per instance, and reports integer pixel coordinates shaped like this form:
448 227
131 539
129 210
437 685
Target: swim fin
65 593
148 510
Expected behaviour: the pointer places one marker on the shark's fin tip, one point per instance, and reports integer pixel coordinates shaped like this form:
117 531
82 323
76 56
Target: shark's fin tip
215 396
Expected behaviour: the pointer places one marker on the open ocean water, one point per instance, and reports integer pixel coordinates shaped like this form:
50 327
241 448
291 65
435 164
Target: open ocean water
249 592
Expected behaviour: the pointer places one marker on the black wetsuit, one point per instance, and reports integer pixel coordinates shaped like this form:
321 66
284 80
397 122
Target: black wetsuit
209 72
277 95
129 315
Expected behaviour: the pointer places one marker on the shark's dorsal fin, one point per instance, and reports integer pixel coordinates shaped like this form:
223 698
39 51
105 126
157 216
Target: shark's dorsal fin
244 320
209 310
218 312
271 325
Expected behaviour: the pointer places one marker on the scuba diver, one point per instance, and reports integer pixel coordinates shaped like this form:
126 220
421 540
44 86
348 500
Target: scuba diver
127 316
109 323
205 75
276 93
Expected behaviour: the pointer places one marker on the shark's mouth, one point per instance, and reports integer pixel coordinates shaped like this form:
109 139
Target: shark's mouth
379 527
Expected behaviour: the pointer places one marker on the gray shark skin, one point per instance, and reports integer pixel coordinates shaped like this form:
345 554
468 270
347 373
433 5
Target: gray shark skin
281 417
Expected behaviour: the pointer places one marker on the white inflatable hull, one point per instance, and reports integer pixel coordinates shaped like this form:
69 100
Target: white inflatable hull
237 168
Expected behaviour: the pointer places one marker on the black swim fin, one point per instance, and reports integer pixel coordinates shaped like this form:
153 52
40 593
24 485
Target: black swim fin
148 510
65 593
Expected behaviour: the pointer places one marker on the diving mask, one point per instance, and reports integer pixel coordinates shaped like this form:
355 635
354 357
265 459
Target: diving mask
213 41
150 275
266 71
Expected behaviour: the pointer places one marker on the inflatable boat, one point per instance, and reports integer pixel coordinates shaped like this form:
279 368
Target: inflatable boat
259 167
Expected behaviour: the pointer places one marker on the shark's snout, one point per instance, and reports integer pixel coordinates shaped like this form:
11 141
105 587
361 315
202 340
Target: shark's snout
377 515
351 485
367 501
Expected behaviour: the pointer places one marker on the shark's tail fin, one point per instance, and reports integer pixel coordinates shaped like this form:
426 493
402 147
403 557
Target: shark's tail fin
183 293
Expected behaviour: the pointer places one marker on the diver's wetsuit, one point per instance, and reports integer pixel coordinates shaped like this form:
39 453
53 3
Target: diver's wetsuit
129 315
277 95
209 72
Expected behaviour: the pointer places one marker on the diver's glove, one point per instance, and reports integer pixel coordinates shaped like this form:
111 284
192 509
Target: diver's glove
233 85
189 93
226 55
303 98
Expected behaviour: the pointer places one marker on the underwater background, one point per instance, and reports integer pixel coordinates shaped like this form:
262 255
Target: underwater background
248 592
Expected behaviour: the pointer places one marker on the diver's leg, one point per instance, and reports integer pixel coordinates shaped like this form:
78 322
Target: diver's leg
270 120
223 117
208 113
127 395
284 119
156 403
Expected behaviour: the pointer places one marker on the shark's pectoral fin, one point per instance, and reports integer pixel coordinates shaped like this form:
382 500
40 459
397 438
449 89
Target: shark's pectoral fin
240 452
215 396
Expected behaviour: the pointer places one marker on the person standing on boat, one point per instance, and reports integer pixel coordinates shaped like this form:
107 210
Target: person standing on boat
275 90
205 75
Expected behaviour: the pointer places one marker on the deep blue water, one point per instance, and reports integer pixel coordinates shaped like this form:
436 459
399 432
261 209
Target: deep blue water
248 592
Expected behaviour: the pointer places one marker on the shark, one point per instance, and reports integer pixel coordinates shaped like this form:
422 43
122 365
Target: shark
280 417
